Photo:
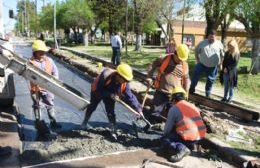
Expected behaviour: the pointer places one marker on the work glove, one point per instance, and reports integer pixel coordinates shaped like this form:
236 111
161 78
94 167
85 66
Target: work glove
114 96
149 81
140 115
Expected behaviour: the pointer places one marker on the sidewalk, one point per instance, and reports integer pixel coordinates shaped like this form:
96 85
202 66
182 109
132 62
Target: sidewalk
9 137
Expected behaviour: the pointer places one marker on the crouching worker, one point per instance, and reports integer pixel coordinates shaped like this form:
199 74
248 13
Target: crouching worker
184 127
40 96
106 87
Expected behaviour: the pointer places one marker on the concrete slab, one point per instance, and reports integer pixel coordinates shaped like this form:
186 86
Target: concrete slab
9 137
133 159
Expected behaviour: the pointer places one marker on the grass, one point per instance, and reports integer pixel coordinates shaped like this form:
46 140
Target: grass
248 85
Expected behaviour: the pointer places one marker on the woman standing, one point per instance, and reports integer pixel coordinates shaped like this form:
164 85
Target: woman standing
230 62
171 46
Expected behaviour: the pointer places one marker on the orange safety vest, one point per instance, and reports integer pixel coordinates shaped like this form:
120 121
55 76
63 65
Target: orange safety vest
191 127
164 65
48 69
108 80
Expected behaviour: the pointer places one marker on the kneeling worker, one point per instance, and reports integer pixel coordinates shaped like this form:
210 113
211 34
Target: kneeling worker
107 86
184 127
40 96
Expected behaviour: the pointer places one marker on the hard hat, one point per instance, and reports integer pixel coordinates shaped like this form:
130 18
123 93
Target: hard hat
39 45
182 52
125 71
179 91
99 65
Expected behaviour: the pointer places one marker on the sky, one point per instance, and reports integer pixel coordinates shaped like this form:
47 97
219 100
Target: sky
11 4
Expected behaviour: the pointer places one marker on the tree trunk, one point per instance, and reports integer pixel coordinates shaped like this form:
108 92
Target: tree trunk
224 27
255 63
138 44
85 38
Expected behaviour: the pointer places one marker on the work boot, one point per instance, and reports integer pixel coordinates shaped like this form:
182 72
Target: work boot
178 157
113 131
55 125
7 150
85 125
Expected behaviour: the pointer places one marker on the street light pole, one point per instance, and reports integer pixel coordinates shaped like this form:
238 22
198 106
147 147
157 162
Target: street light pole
183 14
55 37
1 20
126 27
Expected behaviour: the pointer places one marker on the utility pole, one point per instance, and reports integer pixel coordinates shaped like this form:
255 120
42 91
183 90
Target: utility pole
183 14
55 37
36 18
126 27
1 20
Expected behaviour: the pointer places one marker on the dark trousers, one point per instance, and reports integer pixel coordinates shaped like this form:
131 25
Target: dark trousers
116 56
43 99
174 143
211 73
109 106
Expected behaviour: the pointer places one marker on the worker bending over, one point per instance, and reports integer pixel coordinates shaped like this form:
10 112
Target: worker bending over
173 72
109 84
40 96
184 127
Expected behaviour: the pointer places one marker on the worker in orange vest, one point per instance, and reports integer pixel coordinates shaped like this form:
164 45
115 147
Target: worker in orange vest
40 96
184 127
106 87
173 72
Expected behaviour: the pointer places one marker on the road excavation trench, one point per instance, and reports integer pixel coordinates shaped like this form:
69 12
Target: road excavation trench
72 142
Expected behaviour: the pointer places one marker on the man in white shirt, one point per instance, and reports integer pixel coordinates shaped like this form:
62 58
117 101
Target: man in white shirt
116 44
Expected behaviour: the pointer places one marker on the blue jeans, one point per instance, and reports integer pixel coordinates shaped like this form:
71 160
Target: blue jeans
211 73
227 87
116 56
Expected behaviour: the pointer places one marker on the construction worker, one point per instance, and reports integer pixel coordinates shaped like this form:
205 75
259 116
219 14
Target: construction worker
40 96
109 84
173 72
184 127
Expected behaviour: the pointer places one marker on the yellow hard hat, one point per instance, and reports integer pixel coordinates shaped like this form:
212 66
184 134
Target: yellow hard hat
125 71
177 90
183 52
99 65
39 45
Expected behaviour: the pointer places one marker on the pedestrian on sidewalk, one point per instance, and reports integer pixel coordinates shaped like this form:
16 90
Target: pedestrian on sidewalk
106 87
229 73
173 71
209 55
116 44
171 46
40 96
184 127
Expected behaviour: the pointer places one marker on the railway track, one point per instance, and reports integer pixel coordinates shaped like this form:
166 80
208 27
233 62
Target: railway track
242 113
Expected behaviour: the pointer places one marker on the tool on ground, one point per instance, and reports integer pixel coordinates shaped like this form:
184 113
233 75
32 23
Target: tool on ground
147 161
133 111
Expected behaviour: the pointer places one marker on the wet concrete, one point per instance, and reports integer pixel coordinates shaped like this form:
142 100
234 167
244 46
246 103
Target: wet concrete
78 143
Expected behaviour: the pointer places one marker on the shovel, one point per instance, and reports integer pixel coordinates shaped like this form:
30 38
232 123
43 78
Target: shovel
149 125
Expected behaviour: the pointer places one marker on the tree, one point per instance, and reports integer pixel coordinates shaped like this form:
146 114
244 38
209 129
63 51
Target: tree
248 13
46 17
216 11
144 11
26 17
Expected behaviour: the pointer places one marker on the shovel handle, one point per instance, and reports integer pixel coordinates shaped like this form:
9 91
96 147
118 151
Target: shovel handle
132 110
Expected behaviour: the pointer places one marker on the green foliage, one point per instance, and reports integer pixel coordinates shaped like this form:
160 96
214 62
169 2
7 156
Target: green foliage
46 18
75 13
